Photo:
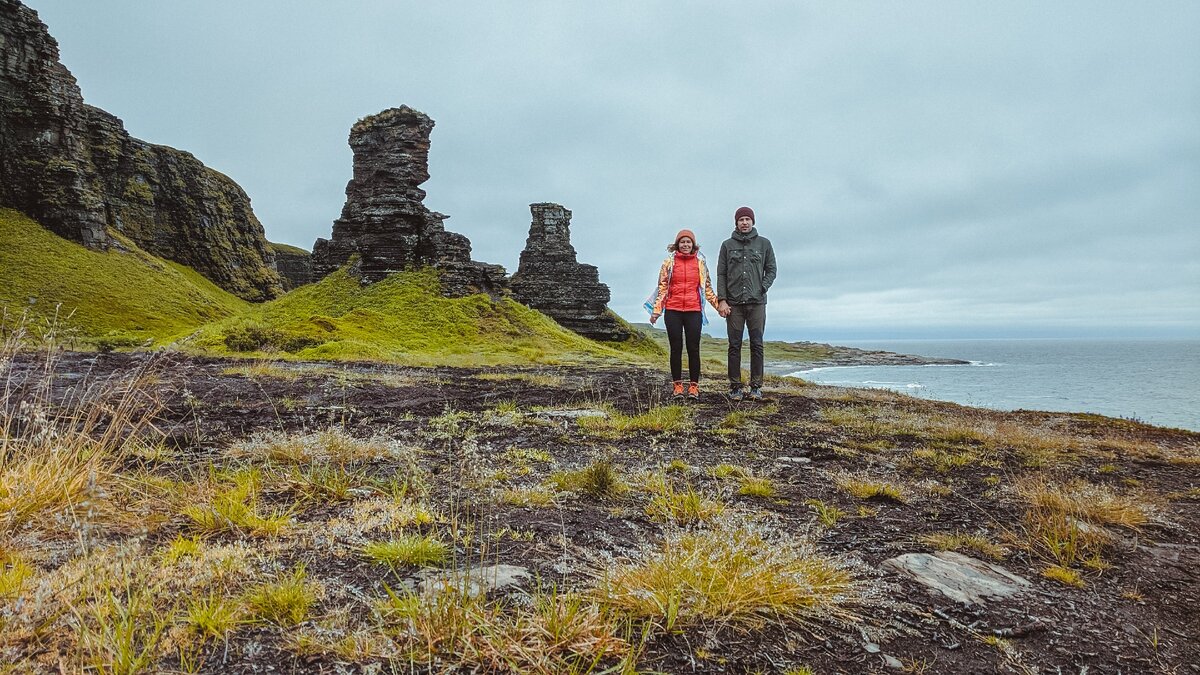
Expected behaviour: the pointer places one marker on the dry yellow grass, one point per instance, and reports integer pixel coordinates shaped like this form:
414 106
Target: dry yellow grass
731 574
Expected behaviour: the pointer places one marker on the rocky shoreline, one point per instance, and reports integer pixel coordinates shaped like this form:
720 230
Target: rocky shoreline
850 356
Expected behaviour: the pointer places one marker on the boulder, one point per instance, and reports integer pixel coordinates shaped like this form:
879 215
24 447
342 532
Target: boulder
384 221
551 280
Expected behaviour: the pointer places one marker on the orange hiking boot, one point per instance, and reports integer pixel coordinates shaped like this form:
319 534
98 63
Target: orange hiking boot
693 392
678 393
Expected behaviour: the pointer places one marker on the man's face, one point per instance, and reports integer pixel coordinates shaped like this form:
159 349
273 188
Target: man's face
745 224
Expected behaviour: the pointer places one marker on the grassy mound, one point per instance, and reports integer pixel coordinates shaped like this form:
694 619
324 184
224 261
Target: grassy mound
404 319
117 296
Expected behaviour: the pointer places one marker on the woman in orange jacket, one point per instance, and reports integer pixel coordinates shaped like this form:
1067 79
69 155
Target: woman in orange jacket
683 286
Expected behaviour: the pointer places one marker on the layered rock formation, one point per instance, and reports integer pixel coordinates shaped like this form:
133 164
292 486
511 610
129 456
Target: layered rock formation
173 206
44 165
551 280
384 221
75 169
294 265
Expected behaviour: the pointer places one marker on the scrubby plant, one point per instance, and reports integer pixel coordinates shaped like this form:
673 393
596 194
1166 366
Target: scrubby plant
677 466
13 573
119 631
181 548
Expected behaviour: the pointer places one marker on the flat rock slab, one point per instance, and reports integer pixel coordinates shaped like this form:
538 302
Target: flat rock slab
476 580
958 577
571 414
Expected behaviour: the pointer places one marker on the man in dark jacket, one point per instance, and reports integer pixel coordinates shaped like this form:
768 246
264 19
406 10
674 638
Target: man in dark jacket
745 270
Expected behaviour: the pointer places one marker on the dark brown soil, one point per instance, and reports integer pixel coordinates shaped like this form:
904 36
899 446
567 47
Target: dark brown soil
1138 616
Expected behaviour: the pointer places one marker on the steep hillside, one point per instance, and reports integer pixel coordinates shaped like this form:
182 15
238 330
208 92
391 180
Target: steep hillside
77 172
129 295
404 319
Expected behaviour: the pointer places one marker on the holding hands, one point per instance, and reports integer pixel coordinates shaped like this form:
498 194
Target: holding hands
654 318
722 309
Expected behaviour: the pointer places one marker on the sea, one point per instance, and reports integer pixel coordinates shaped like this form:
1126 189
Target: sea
1156 381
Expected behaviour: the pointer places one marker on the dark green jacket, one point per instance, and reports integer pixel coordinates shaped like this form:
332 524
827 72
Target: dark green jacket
745 269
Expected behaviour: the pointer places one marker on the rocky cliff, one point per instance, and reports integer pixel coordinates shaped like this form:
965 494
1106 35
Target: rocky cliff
75 169
551 280
294 265
384 221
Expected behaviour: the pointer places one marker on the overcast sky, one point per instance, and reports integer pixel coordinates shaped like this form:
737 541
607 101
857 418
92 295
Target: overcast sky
948 169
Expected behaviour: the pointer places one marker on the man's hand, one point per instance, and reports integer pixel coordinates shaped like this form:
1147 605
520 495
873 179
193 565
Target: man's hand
722 309
654 318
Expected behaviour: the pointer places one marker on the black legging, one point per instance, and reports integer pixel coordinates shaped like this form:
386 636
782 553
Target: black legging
680 324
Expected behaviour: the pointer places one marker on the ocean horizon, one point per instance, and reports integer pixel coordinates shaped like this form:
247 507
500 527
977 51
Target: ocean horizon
1153 380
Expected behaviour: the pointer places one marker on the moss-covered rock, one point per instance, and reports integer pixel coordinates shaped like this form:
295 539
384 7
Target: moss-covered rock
404 318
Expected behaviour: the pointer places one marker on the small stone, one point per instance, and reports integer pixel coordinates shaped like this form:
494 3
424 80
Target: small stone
892 662
871 648
795 460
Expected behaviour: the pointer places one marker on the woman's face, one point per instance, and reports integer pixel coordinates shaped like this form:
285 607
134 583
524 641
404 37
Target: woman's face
684 245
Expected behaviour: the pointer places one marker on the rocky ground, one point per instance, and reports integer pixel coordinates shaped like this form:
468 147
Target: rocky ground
1060 543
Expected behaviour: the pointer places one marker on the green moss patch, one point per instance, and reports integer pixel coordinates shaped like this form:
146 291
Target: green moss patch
404 319
119 297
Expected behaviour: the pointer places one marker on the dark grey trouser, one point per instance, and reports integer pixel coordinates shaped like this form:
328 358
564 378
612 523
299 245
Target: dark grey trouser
743 317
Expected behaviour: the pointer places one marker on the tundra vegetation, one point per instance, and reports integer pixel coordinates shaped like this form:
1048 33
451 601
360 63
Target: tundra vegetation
162 511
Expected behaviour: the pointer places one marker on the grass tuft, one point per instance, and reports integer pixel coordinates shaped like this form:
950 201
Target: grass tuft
964 543
754 486
733 574
685 507
1064 575
285 602
416 550
599 479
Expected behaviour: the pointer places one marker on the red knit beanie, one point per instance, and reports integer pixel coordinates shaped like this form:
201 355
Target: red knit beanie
743 211
685 233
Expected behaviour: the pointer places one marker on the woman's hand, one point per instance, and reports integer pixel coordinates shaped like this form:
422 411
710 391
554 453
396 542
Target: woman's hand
654 318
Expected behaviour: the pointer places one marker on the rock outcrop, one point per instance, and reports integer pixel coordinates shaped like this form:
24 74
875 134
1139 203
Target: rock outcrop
294 265
45 170
75 169
173 206
551 280
384 221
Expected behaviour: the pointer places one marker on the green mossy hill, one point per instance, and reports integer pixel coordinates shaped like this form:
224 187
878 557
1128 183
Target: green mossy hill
405 319
115 297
